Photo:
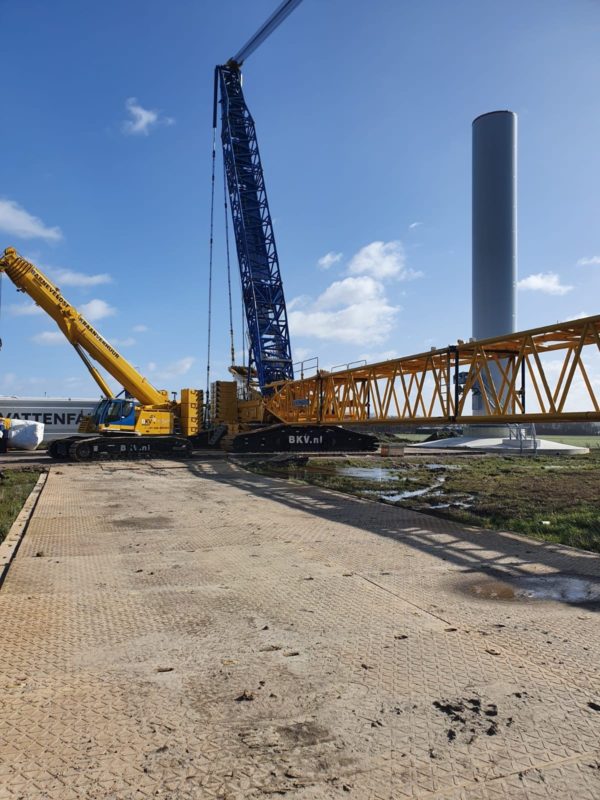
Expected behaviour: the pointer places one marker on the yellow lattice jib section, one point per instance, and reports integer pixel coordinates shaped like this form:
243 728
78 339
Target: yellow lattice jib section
550 373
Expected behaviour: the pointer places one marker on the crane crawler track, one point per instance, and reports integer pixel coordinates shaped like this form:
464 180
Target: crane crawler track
304 439
102 448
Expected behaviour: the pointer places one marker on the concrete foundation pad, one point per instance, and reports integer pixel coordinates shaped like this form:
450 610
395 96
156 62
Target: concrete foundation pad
526 446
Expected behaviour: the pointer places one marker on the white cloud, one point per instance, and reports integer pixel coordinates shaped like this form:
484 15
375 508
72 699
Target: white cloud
581 315
7 382
298 302
546 282
24 310
349 291
172 370
302 353
16 221
142 119
129 341
15 385
140 329
355 309
351 310
374 358
96 310
329 259
67 277
49 337
414 225
382 260
585 262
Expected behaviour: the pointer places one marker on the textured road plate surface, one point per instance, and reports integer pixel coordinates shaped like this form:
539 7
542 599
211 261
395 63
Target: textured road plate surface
193 631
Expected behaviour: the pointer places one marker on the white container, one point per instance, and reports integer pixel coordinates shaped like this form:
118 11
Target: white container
60 416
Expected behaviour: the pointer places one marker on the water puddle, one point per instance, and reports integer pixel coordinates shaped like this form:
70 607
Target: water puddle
395 497
386 474
564 588
465 504
468 503
393 482
367 473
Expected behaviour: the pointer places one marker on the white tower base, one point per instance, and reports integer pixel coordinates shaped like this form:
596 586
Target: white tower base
488 441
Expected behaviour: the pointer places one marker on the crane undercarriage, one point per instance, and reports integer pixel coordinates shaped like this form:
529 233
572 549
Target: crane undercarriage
303 439
98 448
271 439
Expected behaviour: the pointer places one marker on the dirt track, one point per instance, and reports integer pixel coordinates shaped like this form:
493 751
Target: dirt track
194 631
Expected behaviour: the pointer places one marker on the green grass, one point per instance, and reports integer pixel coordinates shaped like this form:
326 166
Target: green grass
15 487
553 498
549 498
577 528
592 442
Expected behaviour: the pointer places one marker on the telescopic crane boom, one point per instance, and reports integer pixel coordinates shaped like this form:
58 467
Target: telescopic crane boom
78 331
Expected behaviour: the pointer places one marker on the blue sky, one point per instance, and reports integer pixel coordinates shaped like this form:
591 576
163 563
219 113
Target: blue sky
363 112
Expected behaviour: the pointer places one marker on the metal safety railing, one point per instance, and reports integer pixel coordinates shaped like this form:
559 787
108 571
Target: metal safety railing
524 437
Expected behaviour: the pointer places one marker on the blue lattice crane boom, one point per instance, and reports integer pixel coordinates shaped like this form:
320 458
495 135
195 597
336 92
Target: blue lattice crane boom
262 289
249 423
270 355
265 30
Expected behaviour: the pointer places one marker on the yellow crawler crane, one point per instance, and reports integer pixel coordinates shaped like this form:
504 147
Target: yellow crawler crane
142 421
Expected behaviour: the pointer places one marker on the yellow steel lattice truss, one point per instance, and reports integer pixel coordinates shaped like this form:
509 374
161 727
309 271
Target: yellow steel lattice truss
543 374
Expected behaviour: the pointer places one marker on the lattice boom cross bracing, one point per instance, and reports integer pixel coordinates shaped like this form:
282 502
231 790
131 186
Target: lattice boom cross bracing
550 374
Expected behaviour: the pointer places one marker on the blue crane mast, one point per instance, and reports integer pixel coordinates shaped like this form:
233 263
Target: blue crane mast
262 289
270 353
270 356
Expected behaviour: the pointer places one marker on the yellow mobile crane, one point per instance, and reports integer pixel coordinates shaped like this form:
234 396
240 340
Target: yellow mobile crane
142 420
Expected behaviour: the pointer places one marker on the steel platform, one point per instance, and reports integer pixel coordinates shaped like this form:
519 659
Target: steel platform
189 630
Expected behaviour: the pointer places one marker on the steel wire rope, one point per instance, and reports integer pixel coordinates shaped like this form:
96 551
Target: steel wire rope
1 276
244 334
231 334
210 270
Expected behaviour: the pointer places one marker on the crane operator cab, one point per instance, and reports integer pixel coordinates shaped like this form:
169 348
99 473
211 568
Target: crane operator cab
126 415
113 413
